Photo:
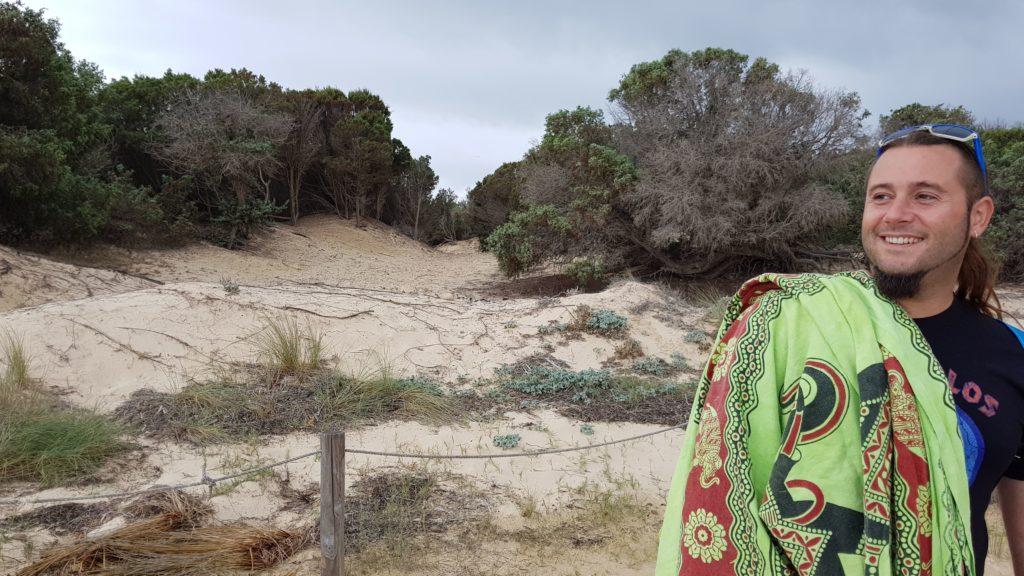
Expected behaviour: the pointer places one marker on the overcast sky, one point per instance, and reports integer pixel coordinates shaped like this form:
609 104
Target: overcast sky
469 83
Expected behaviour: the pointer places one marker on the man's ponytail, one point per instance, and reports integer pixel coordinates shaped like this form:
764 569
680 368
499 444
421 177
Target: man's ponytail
976 283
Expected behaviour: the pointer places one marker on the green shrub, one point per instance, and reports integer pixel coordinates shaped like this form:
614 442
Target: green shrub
523 241
506 440
236 220
542 380
588 272
605 321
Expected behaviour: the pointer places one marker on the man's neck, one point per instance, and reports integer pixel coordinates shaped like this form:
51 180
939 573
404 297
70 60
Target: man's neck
933 298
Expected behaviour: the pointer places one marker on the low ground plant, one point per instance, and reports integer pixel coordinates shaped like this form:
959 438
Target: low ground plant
41 440
629 348
56 447
597 394
245 404
506 440
286 349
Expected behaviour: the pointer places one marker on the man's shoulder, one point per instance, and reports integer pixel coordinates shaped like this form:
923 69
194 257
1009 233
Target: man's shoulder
1017 332
839 290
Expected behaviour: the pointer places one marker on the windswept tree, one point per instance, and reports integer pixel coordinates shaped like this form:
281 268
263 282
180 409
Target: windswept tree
729 152
711 168
229 145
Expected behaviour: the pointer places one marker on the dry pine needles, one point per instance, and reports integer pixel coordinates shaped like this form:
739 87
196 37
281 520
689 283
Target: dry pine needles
171 540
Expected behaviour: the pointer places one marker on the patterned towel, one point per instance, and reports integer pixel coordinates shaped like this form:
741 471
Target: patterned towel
823 440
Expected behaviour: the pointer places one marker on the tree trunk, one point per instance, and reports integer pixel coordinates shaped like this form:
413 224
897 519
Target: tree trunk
293 194
416 225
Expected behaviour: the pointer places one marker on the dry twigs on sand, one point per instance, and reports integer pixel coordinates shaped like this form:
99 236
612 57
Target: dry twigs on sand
173 542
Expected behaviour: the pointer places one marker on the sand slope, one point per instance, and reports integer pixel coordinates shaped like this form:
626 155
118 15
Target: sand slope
29 280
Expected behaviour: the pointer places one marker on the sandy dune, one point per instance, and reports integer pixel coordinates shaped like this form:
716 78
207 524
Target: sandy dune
29 280
173 316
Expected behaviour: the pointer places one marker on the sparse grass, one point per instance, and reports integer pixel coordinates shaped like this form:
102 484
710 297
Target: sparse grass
233 462
628 349
247 404
15 360
393 516
614 504
286 349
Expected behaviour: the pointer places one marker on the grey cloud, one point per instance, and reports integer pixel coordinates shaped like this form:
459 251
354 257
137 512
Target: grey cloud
470 82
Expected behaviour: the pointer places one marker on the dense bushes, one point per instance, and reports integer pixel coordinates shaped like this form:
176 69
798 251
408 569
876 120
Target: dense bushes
713 167
177 157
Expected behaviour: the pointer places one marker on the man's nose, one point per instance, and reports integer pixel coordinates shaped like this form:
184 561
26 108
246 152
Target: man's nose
899 210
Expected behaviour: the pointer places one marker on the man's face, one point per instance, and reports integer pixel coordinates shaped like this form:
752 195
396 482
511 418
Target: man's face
915 213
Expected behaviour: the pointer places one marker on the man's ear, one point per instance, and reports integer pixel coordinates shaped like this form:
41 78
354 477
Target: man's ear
981 215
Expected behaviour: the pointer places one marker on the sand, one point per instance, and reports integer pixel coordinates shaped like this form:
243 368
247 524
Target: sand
172 316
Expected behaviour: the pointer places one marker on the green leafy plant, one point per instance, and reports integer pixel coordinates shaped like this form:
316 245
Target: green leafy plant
588 272
506 441
605 321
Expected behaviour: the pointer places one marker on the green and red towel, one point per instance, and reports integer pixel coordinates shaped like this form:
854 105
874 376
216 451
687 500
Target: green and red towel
823 441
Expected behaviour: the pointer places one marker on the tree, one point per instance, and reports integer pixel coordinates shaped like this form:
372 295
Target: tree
1004 152
131 106
362 152
711 168
229 144
916 114
56 180
415 189
302 146
490 201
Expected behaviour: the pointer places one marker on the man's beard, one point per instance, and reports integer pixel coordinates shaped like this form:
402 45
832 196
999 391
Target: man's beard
899 286
902 285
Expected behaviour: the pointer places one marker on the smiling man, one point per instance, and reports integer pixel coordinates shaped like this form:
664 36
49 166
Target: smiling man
859 423
927 204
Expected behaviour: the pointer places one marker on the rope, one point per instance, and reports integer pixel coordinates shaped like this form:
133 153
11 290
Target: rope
211 482
205 481
509 454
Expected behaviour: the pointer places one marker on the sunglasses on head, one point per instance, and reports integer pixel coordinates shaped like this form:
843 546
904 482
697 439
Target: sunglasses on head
954 132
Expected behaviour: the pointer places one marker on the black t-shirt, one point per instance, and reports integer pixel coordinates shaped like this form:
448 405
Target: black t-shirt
984 361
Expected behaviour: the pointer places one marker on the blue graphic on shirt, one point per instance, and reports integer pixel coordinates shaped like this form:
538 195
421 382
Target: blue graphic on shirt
1017 332
974 444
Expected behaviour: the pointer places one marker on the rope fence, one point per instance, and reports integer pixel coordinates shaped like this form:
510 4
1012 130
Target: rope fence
211 482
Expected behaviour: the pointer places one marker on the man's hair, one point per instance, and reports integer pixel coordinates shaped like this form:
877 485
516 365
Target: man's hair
976 280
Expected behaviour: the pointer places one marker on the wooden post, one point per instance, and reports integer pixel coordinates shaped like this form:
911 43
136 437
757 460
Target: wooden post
332 503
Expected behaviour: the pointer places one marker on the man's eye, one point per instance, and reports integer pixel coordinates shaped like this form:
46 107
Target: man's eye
927 197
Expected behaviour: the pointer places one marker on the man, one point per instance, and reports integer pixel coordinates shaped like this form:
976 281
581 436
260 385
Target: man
926 206
858 425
